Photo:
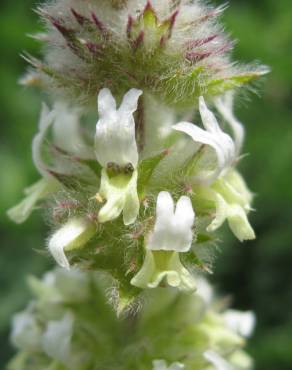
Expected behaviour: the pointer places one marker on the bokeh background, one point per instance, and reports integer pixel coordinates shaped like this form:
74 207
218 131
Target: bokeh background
257 275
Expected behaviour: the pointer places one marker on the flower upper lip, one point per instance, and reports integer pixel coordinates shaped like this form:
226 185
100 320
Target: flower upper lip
224 105
115 140
173 228
213 136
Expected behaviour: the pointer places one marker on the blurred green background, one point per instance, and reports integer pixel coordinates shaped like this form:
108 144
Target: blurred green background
257 274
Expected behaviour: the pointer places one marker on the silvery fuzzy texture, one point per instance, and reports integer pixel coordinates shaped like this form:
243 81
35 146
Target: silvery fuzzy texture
175 50
69 326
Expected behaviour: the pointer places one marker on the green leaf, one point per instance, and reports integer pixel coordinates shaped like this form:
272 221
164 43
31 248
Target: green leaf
146 168
190 166
192 259
92 164
204 238
71 182
219 86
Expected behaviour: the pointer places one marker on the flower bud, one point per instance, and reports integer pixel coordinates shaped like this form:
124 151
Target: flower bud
175 50
74 234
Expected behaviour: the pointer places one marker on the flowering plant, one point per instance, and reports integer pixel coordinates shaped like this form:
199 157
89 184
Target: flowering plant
135 199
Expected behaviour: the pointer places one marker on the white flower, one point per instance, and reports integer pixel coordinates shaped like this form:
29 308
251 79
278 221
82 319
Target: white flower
26 332
64 123
220 335
61 285
241 360
242 323
227 188
56 340
172 234
237 219
205 291
232 200
162 365
217 361
47 184
224 105
116 150
115 131
74 234
33 194
67 131
173 228
214 137
73 285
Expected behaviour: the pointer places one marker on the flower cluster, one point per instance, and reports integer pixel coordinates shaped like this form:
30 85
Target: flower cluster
175 50
115 198
68 325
